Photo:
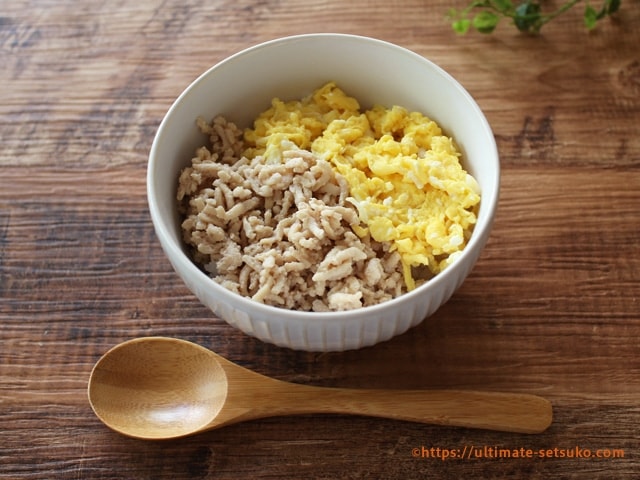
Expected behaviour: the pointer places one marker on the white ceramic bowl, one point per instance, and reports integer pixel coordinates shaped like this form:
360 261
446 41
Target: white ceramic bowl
373 71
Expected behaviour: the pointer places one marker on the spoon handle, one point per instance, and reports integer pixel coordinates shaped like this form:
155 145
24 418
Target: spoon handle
508 412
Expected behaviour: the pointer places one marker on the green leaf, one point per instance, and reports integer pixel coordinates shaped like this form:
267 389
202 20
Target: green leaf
528 17
485 22
614 5
590 17
461 26
609 7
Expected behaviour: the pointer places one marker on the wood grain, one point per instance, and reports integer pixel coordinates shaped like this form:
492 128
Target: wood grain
552 307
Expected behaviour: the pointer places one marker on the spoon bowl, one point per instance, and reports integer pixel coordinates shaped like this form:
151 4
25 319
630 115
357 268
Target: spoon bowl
158 387
161 388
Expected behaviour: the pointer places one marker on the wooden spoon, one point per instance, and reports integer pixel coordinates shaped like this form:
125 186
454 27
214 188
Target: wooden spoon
161 388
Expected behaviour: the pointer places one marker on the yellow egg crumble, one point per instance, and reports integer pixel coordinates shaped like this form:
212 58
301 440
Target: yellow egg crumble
404 174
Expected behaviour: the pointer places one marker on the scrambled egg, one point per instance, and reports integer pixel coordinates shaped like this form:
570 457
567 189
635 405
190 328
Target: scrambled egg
404 175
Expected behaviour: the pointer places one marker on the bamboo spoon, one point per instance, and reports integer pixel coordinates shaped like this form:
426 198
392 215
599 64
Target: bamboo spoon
161 388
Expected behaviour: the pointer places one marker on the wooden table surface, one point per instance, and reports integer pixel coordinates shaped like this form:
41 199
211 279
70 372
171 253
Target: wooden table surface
552 307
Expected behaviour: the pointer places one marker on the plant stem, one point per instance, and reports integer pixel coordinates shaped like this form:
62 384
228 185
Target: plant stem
567 6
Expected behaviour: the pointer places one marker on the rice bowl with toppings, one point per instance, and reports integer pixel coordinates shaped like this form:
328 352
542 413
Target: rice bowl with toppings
239 89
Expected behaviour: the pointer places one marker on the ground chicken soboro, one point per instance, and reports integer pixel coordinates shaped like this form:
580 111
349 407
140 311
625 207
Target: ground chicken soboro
281 232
